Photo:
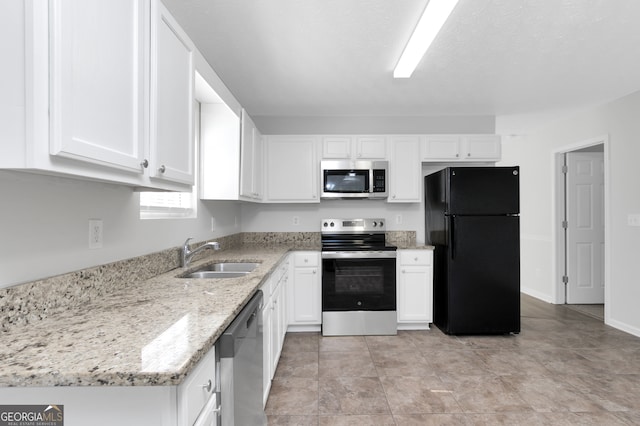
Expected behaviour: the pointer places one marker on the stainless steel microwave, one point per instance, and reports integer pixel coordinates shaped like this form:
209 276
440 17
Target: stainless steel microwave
354 179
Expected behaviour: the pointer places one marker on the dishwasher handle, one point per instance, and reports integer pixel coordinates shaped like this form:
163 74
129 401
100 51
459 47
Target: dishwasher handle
242 326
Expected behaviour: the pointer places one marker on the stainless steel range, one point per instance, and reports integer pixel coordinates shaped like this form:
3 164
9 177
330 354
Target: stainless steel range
358 278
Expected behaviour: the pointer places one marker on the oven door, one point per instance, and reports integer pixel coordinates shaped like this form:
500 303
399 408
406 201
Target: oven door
358 281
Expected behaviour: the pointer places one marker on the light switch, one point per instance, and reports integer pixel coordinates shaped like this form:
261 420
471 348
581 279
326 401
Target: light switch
633 219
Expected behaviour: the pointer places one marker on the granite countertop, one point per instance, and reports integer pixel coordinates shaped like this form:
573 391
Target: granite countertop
149 333
145 330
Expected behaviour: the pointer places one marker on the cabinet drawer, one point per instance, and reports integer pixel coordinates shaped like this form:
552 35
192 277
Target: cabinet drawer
198 388
416 257
305 259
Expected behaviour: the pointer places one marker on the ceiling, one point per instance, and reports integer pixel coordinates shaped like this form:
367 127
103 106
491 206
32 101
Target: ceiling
493 57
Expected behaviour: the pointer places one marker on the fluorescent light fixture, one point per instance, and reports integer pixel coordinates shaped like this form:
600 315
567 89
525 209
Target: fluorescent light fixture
430 23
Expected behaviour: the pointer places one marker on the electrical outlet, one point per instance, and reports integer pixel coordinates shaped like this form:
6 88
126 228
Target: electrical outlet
633 219
213 224
296 220
95 233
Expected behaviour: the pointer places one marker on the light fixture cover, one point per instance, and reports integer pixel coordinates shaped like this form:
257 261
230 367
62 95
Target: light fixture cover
430 23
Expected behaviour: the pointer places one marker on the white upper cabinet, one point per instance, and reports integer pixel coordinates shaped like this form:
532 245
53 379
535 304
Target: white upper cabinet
482 147
441 147
373 147
354 147
172 147
219 152
108 89
250 160
405 169
445 148
292 169
99 76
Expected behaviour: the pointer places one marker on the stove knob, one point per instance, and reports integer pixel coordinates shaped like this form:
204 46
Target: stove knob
332 224
380 224
374 223
325 224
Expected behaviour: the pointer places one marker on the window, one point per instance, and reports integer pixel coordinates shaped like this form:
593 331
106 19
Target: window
165 205
168 205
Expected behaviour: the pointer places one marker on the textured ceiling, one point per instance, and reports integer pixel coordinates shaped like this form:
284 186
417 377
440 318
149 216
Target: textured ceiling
493 57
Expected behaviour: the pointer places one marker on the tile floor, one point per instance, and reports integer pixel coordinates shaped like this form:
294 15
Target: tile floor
564 368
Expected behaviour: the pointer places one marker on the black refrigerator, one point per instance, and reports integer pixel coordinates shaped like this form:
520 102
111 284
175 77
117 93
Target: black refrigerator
471 217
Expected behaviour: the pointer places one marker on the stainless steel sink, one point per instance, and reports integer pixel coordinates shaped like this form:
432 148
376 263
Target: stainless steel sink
214 274
230 267
222 270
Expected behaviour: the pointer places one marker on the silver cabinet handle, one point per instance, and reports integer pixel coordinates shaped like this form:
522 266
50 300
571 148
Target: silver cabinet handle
145 163
162 169
208 386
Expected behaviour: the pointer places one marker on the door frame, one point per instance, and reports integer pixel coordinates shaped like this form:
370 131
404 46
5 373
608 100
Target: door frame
558 234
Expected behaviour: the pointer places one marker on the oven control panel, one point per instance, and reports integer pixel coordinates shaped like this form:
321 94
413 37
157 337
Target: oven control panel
352 225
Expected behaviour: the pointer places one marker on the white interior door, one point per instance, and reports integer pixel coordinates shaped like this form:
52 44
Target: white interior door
585 227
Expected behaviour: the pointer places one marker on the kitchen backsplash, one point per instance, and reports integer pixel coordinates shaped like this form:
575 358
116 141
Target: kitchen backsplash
312 239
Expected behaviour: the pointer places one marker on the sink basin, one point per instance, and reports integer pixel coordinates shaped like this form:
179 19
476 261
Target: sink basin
215 274
222 270
229 267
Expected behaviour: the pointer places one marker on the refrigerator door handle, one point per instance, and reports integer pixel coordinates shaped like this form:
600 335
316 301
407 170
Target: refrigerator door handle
453 237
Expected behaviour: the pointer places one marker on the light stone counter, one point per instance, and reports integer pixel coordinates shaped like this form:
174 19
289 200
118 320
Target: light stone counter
134 322
151 332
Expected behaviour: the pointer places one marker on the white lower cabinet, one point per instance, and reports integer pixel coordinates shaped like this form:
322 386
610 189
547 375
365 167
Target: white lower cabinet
305 292
197 399
415 289
274 323
192 403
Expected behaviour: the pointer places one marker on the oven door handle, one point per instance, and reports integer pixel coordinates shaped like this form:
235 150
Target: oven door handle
358 255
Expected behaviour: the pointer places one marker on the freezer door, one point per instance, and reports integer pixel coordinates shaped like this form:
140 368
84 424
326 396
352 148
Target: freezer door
483 190
483 275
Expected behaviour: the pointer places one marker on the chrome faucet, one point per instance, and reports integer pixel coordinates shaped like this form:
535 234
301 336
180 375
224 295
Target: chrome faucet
188 254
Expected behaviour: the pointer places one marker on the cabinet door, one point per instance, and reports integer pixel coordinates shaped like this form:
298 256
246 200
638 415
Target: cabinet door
336 147
414 294
267 331
306 301
441 147
195 393
277 321
99 79
250 159
292 169
405 170
258 161
172 145
371 147
219 152
482 147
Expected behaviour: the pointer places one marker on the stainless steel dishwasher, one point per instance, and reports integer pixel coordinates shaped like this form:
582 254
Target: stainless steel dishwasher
241 367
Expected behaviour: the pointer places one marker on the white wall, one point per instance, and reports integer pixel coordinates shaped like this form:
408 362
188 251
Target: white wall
536 139
301 125
279 217
44 225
